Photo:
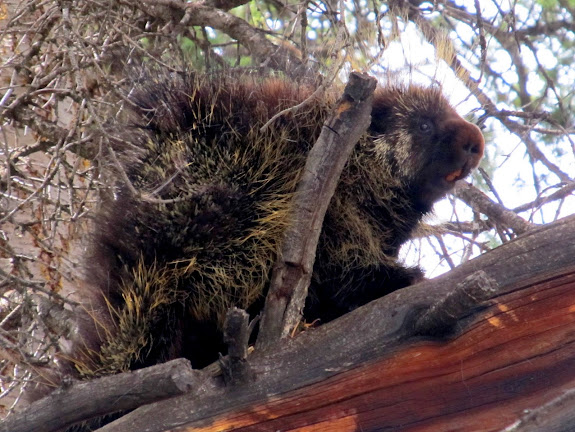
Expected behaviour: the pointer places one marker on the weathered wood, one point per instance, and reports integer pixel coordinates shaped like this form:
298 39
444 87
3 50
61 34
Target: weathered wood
556 415
292 272
234 366
84 400
368 371
444 314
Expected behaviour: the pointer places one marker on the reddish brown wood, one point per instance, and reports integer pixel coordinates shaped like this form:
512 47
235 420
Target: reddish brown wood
516 355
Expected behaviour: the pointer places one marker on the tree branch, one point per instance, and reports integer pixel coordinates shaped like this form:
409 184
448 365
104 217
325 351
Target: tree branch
85 400
204 14
292 272
237 331
478 200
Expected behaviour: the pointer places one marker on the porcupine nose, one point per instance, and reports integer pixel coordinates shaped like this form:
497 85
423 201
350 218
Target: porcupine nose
473 144
468 143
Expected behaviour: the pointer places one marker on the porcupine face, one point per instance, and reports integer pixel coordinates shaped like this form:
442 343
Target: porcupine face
428 145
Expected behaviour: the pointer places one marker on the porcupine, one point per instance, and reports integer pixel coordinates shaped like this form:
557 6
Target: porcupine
213 201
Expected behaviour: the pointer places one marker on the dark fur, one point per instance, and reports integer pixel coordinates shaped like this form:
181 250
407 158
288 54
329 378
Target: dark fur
197 141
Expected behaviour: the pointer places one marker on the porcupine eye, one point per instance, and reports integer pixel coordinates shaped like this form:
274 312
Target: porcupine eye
425 126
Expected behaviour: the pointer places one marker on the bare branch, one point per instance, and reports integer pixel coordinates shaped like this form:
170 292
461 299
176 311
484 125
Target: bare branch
292 271
82 401
478 200
201 14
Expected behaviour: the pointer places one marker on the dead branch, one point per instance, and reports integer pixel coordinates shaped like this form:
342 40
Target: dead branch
82 401
201 14
478 200
447 311
292 272
237 331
